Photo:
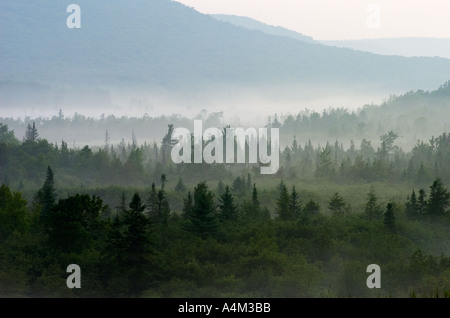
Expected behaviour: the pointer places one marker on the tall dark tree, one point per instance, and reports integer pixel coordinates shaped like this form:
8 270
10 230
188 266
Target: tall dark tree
439 199
255 200
422 202
74 222
167 144
411 206
152 202
295 204
180 187
220 188
337 205
228 210
188 206
239 186
283 203
130 249
311 208
389 217
46 196
203 218
373 209
31 134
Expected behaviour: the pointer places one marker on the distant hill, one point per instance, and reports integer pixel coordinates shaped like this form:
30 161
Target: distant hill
163 46
430 47
252 24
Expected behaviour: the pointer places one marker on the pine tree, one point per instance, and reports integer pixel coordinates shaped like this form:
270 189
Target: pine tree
283 203
411 205
389 217
167 144
295 204
203 219
422 203
249 182
188 206
220 188
46 196
255 200
239 186
163 208
337 204
439 199
152 202
180 187
372 210
228 211
31 134
136 245
311 208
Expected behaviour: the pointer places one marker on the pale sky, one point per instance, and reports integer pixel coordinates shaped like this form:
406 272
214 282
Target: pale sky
342 19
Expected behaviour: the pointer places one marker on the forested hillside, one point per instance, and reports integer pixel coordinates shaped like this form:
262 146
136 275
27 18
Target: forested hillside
139 225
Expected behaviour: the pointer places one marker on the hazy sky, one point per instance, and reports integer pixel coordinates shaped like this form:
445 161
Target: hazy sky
342 19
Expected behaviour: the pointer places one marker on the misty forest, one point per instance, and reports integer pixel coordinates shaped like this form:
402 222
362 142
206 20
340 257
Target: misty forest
139 225
89 101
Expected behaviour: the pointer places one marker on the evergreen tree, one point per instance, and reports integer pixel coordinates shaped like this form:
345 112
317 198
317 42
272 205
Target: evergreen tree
167 144
203 219
163 208
295 204
439 199
239 186
134 247
311 208
337 205
228 211
220 188
422 203
153 202
389 217
7 136
283 204
411 205
372 209
74 223
255 200
188 206
180 187
46 196
249 182
31 134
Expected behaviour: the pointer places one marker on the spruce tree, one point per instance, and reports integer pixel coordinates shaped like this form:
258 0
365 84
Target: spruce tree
203 218
439 199
372 209
187 207
255 200
228 211
180 187
31 134
389 217
283 204
422 203
295 204
311 208
412 205
337 204
46 196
